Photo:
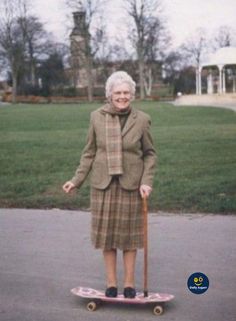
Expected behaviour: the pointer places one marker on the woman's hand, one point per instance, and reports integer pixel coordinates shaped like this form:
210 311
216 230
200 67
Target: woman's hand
145 190
68 187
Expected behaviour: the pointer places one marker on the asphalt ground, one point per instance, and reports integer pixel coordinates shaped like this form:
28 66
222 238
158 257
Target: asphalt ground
45 253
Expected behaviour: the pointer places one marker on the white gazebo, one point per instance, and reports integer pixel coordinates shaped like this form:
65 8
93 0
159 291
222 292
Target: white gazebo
222 58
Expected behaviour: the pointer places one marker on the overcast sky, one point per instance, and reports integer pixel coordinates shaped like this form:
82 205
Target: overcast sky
183 16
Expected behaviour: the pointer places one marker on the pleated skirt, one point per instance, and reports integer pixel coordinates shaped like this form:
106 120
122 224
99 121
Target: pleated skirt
117 221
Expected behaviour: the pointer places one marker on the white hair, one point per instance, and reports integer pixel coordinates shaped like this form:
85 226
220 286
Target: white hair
118 78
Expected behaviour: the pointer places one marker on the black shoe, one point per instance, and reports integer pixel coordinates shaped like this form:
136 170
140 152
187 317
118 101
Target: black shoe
111 292
129 293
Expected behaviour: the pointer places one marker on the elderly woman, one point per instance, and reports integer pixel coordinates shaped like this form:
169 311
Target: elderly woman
121 157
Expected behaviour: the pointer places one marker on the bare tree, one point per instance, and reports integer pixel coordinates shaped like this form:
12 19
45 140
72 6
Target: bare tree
195 47
11 46
173 69
35 39
88 38
223 37
156 43
173 64
145 36
22 42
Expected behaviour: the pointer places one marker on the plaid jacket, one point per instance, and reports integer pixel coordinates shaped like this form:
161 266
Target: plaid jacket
139 156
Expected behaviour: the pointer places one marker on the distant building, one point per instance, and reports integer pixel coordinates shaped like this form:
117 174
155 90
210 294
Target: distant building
220 71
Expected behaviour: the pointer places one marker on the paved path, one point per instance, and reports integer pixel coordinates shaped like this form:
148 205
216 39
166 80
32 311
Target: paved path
219 105
43 254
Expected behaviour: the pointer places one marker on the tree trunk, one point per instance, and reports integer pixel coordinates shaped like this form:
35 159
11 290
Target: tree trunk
89 80
32 74
141 79
14 87
148 81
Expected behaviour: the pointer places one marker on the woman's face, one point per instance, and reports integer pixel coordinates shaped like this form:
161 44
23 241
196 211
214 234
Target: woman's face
121 96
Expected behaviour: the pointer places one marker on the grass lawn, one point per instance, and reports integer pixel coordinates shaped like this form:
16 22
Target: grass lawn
41 145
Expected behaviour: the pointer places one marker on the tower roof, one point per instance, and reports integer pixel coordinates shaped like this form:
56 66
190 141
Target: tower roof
79 23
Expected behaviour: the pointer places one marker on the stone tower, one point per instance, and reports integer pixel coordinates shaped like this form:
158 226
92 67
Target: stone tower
78 48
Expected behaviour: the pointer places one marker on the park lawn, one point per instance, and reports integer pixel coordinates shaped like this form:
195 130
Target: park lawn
41 145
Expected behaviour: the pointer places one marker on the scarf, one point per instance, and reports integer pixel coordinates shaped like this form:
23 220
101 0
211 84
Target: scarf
114 139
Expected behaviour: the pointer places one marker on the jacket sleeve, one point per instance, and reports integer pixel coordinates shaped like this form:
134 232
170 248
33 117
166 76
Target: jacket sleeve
149 155
87 158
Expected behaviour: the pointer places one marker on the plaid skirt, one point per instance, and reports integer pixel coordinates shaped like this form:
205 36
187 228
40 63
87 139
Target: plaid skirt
117 221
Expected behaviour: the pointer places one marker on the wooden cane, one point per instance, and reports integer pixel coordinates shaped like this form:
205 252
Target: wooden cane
145 241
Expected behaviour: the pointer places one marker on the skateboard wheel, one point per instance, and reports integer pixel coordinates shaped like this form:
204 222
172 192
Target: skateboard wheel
91 306
158 310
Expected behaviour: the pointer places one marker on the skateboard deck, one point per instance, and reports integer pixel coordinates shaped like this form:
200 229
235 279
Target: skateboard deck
96 297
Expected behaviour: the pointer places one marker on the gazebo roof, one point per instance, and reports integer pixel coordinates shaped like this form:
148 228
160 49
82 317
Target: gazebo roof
223 56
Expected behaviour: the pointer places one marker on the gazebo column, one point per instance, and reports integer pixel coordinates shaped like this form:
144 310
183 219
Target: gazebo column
198 81
234 84
220 86
223 80
197 85
210 83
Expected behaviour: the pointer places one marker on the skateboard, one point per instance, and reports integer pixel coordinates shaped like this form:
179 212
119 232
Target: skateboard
96 297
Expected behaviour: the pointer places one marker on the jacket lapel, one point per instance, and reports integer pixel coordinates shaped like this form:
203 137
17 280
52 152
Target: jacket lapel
130 122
